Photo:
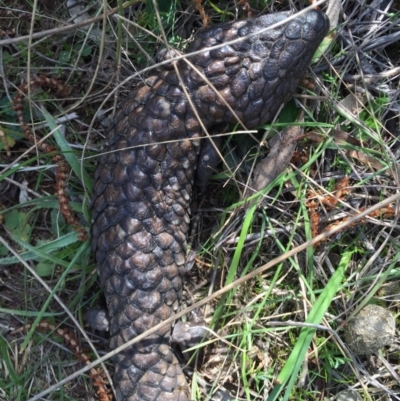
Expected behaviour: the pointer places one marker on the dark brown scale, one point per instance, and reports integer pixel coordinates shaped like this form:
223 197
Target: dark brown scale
142 190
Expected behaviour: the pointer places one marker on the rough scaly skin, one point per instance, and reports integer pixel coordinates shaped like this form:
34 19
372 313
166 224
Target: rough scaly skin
143 182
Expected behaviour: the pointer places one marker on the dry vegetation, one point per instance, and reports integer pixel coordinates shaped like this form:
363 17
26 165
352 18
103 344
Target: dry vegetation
281 326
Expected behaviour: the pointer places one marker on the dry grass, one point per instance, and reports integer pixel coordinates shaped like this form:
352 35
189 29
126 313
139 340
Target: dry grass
281 328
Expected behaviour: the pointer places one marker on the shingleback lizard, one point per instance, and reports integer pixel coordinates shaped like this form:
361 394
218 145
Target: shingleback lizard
144 179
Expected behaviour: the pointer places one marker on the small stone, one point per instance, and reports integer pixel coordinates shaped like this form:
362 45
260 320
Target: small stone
373 328
348 395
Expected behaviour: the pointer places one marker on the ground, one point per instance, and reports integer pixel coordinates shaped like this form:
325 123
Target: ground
320 244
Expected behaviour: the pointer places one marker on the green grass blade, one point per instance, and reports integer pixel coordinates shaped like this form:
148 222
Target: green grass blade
59 283
235 262
289 373
42 250
68 152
